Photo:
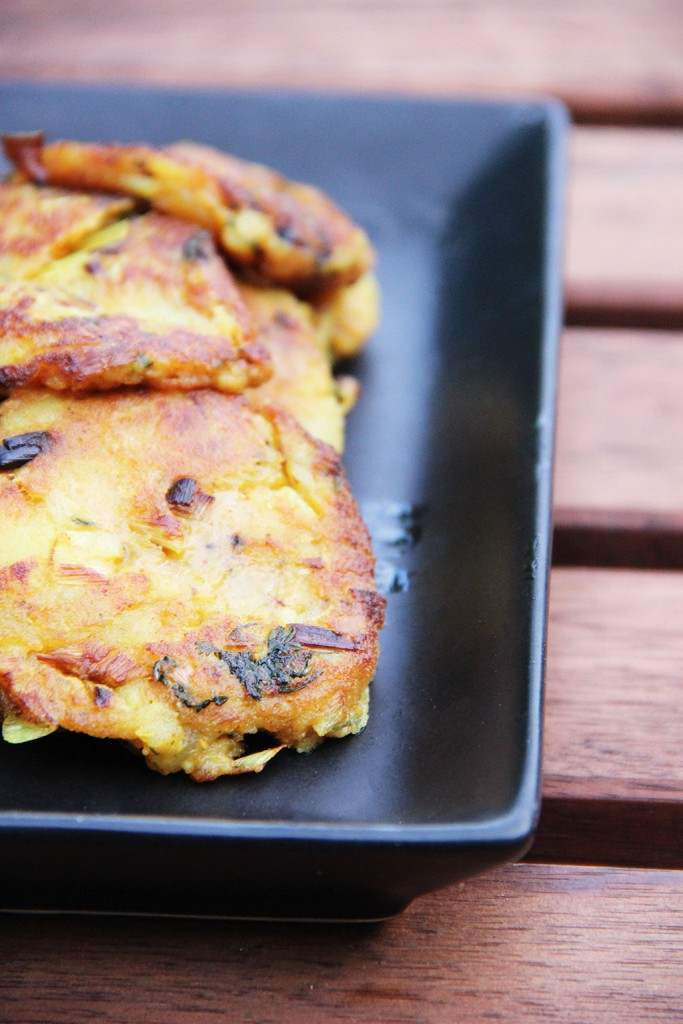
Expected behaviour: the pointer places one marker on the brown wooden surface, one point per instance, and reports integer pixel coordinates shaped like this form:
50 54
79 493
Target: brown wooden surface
619 477
615 671
612 61
547 940
613 776
527 943
624 255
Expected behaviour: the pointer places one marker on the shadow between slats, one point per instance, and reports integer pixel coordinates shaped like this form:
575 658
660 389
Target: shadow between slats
616 833
587 308
607 539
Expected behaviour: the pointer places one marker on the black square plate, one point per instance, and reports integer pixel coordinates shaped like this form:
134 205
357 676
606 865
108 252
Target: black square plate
449 453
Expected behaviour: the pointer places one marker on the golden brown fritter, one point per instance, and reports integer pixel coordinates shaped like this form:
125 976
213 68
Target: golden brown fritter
179 571
38 225
349 316
302 383
283 232
143 299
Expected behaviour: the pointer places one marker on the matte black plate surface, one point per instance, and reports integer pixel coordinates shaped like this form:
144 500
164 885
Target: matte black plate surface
449 452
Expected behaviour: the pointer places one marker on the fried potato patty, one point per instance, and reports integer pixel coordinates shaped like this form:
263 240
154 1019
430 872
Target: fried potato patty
284 232
180 571
350 316
38 225
143 299
303 382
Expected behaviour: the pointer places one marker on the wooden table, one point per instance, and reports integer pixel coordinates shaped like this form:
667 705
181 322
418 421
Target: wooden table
590 926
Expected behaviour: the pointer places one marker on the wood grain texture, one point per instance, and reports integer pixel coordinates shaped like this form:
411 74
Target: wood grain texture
531 943
619 465
625 246
614 714
609 60
613 766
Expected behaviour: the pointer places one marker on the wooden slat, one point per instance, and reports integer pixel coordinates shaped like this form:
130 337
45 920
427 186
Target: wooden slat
528 943
614 714
611 61
613 778
625 247
619 470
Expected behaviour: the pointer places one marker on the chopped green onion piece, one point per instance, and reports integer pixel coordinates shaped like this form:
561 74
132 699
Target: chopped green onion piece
16 730
255 762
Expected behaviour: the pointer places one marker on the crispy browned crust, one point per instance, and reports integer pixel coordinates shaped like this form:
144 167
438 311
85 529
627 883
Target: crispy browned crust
38 225
148 299
137 606
282 231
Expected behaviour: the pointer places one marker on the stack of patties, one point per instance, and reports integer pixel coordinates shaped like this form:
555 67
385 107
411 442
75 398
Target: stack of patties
182 564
